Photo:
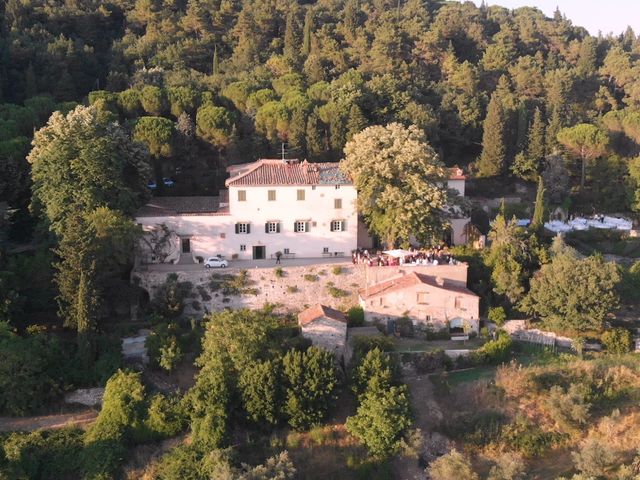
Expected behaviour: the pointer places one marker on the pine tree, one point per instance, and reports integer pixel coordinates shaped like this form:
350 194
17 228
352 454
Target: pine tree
306 33
492 159
538 213
536 139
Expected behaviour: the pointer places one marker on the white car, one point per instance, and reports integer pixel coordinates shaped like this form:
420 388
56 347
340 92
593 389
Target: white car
216 262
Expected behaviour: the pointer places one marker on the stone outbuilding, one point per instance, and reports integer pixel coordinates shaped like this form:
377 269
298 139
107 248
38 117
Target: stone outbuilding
426 300
325 327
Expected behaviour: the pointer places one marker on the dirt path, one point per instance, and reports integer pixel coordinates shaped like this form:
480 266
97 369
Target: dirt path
426 413
29 424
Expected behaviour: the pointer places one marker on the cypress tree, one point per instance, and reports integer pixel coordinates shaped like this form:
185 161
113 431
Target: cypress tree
292 39
536 137
554 126
306 33
356 121
538 213
315 144
215 69
492 159
297 132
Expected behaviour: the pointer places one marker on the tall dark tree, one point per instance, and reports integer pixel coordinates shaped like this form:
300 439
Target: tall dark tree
492 161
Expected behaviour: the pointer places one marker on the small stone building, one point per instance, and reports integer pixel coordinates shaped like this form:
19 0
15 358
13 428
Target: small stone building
325 327
427 300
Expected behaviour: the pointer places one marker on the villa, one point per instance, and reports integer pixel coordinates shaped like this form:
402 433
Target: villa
298 208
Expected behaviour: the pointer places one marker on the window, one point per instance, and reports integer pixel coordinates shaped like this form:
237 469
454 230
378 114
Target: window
337 226
337 187
457 302
286 251
428 318
313 187
423 298
272 227
337 203
243 227
242 195
325 249
243 248
223 235
271 195
300 226
300 195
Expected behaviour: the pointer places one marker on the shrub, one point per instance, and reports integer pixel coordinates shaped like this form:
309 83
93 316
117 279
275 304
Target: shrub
450 466
337 270
428 362
509 466
404 327
310 277
355 317
495 351
361 345
278 272
617 340
527 438
292 289
169 300
165 416
163 348
594 458
337 292
497 315
569 409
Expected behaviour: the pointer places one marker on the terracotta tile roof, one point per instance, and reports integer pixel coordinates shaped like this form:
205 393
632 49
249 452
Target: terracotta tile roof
171 206
410 280
319 311
291 172
294 172
456 173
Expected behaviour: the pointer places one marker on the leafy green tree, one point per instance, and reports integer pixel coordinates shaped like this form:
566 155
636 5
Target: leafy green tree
398 177
311 383
31 371
209 405
181 100
260 386
584 141
169 298
81 161
377 365
572 293
492 161
536 139
123 408
509 466
381 419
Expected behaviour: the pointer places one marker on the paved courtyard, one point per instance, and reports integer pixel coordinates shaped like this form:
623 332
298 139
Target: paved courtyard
245 264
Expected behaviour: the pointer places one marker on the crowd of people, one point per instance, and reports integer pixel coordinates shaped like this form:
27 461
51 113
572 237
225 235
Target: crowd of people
433 256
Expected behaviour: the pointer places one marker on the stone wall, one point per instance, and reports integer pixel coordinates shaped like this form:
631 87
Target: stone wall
297 288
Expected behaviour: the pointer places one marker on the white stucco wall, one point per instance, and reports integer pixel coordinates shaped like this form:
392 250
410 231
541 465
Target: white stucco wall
318 208
457 185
